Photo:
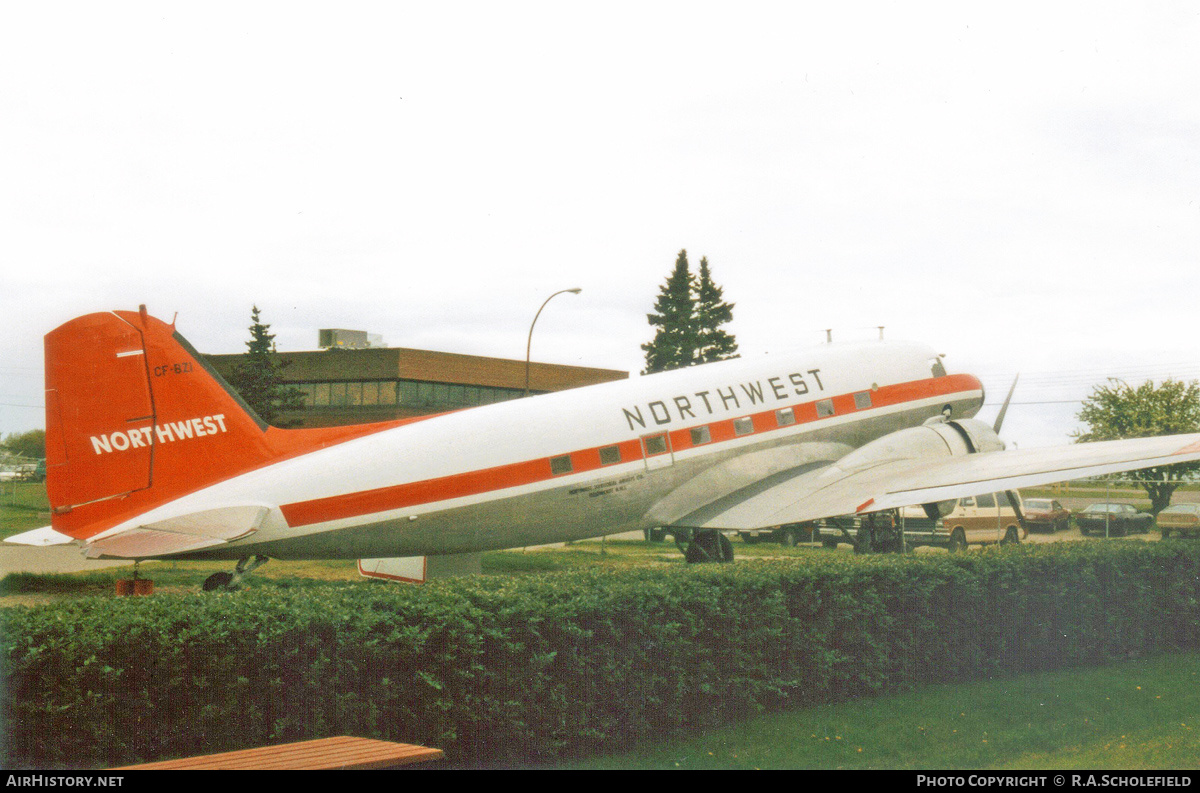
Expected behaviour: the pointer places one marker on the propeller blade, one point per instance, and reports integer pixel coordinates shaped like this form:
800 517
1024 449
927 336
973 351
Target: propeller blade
1004 407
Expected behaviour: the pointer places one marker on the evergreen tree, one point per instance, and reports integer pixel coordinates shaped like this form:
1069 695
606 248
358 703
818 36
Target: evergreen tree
676 339
712 312
259 377
689 313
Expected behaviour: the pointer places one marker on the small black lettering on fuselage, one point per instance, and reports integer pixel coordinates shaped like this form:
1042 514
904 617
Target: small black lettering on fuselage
726 399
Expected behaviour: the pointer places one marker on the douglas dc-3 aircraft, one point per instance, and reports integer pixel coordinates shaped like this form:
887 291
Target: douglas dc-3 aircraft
150 455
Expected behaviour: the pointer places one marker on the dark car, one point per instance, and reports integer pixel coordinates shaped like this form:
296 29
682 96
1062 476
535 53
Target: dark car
1046 514
1113 520
1182 519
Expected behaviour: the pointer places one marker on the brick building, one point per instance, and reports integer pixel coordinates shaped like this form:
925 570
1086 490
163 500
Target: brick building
351 386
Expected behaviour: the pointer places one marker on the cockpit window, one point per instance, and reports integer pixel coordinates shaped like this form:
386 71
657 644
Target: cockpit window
935 366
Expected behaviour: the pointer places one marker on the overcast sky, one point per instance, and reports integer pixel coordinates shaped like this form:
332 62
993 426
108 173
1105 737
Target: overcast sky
1016 184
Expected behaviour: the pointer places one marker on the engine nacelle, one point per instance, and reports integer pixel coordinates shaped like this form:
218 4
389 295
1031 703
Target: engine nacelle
938 437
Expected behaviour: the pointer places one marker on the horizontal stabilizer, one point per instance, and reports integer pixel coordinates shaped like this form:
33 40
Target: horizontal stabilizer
44 536
181 534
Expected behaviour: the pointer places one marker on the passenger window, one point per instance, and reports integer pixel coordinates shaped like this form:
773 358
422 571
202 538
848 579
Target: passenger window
824 408
785 417
560 465
862 400
743 426
701 435
610 455
655 444
986 501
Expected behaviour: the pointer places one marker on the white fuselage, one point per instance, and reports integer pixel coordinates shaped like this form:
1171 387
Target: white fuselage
614 457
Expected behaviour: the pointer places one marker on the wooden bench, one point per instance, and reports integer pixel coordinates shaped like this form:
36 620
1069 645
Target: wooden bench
342 752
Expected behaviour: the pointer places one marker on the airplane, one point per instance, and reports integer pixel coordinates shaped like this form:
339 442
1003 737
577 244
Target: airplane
151 455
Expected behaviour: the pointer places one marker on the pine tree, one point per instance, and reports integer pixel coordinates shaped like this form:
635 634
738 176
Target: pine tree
711 313
676 339
259 377
689 313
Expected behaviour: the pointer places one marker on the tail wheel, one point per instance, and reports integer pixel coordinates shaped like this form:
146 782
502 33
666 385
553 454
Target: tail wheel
217 581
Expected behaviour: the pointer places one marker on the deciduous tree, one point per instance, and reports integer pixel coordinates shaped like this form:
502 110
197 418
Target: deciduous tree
1116 410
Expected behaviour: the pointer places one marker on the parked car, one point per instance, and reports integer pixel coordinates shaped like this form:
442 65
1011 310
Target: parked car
1183 519
1113 520
984 519
790 535
1046 514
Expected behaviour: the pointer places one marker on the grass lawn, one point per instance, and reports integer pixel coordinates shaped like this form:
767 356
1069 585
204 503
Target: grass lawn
23 506
1133 715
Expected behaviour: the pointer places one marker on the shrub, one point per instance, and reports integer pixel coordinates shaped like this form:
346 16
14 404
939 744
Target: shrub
495 669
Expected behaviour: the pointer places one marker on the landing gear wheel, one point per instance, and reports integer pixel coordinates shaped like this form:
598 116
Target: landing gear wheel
958 541
865 542
709 546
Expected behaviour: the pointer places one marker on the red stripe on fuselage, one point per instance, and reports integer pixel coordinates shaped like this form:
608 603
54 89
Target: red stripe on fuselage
474 483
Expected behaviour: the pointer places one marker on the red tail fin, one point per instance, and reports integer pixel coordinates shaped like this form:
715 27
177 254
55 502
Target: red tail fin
135 418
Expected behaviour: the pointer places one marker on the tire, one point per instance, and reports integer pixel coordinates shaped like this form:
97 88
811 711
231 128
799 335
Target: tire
829 543
958 541
865 541
217 581
750 539
1165 533
709 546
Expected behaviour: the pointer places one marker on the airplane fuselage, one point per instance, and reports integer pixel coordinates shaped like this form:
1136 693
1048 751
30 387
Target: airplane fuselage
609 458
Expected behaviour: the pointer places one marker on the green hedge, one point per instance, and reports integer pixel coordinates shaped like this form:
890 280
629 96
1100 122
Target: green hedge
527 669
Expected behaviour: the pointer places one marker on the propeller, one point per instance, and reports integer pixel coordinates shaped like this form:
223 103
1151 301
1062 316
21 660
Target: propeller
1012 496
1004 407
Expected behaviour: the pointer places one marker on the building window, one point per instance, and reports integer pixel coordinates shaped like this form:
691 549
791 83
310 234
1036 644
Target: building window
824 408
701 435
387 392
321 395
560 465
862 400
354 394
743 426
785 417
610 455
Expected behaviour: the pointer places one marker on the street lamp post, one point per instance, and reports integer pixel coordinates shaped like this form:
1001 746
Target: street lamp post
529 341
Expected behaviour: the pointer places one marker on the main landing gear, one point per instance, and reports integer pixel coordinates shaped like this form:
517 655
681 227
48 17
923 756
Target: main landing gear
227 582
704 545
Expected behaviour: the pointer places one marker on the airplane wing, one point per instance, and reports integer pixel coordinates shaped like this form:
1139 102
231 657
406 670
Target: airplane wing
831 490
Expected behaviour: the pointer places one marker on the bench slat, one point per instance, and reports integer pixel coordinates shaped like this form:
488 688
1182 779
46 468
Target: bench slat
343 751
